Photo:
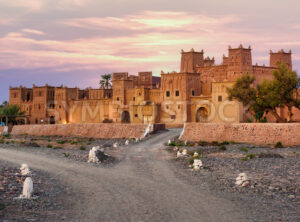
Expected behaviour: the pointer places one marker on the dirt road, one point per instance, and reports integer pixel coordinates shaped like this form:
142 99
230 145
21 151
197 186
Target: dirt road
143 187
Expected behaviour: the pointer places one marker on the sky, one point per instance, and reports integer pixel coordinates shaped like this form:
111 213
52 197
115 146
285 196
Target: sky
74 42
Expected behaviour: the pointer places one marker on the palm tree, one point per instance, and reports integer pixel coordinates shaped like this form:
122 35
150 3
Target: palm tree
105 81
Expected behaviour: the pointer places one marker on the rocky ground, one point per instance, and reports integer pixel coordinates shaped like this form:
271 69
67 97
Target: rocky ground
274 173
76 149
52 199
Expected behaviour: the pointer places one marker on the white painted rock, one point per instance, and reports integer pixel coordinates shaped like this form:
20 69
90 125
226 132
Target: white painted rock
242 180
93 155
115 145
184 152
185 143
27 189
25 169
179 154
196 154
127 142
137 140
197 164
169 142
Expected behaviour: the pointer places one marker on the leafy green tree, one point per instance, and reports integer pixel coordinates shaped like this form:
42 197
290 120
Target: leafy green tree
11 110
105 81
5 103
270 95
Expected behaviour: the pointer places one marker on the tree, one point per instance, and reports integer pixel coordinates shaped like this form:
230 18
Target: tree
270 95
105 81
11 110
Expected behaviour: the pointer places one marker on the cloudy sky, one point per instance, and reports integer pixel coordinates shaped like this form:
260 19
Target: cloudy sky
73 42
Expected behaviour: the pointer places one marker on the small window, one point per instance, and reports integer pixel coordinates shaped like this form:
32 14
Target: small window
177 93
168 93
136 115
133 98
118 99
193 92
178 106
167 107
220 98
173 117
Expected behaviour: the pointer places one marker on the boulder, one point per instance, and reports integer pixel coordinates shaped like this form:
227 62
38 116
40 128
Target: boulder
197 164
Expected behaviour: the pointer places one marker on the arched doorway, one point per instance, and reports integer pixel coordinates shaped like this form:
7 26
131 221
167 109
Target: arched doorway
125 117
52 120
201 115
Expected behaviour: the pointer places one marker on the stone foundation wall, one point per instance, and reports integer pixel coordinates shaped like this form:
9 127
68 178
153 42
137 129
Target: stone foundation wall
89 130
252 133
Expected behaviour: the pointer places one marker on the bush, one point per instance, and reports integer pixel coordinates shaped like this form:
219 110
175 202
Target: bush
215 143
244 149
82 148
74 142
278 145
89 143
172 144
191 161
49 146
244 159
222 147
1 141
224 143
57 148
2 206
180 144
61 141
203 143
66 155
251 156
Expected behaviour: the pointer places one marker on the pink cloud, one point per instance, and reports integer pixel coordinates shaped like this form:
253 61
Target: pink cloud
148 41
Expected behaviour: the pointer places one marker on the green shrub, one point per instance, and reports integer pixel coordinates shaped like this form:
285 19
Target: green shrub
89 143
215 143
172 144
6 136
91 139
244 149
2 206
222 147
74 142
180 144
61 141
57 148
12 141
278 145
1 141
82 148
23 142
66 155
203 143
244 159
191 161
224 143
49 146
49 140
251 156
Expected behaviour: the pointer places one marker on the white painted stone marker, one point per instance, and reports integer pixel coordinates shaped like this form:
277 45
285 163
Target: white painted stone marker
242 180
25 169
27 189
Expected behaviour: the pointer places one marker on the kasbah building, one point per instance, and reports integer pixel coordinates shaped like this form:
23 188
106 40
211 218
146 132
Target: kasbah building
196 94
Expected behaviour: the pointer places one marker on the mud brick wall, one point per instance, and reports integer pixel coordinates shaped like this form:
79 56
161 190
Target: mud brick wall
90 130
251 133
1 129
